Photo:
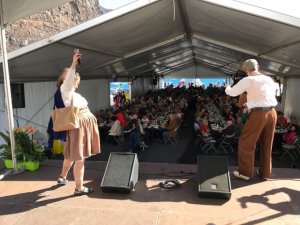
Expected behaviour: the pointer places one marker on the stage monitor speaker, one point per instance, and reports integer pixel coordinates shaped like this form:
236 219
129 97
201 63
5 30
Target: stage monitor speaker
154 81
121 172
213 177
17 95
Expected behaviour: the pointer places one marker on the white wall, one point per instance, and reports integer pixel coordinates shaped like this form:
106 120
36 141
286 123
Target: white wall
96 92
291 105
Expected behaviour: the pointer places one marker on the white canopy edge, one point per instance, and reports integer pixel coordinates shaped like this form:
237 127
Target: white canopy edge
255 10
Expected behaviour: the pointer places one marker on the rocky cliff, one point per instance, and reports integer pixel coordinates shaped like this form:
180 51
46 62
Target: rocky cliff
36 27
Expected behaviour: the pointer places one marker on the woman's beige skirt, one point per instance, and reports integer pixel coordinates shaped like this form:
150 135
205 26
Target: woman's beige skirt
84 141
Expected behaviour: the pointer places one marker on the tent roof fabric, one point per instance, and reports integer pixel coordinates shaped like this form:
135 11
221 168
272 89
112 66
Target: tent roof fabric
161 37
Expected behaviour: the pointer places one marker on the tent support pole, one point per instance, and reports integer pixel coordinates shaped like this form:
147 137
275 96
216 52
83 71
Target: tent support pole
8 101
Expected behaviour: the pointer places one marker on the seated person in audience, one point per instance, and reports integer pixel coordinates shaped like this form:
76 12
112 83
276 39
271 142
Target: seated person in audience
108 115
101 117
294 121
229 129
289 136
153 113
204 127
281 120
115 131
103 124
238 126
121 117
131 128
97 115
232 116
142 135
179 117
145 120
197 123
171 126
226 131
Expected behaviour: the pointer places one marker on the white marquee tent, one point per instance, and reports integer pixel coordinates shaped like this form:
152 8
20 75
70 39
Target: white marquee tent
165 37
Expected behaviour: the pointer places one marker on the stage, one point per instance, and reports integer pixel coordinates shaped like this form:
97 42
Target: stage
34 198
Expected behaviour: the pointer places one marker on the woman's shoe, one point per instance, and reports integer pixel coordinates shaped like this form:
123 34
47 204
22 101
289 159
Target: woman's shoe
62 181
83 191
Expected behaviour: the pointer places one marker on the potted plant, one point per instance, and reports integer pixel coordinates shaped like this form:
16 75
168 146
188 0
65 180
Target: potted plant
33 157
28 152
6 152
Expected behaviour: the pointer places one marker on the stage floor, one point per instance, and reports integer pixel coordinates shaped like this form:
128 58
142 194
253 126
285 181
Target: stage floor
33 198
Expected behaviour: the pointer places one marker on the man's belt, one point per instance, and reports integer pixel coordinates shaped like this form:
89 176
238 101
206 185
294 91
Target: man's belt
262 108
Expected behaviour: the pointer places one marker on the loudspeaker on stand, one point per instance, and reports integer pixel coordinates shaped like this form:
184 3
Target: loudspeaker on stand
17 95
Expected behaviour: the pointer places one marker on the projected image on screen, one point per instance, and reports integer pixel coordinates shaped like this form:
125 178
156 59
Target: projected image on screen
119 93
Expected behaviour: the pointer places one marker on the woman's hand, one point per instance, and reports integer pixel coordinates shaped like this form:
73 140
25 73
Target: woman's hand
76 56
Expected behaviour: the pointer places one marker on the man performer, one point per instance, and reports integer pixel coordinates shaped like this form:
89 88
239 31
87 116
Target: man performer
260 124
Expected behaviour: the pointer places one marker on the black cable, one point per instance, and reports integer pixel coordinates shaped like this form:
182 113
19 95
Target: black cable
170 184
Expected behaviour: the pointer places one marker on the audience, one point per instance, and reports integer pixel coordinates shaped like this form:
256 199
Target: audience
159 114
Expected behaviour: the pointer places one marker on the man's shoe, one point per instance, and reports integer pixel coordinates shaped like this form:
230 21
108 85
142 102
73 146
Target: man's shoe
240 176
258 173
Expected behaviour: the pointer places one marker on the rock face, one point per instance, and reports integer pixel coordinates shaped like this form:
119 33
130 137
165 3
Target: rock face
36 27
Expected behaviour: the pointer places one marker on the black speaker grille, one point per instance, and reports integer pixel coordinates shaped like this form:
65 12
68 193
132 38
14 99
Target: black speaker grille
213 175
118 170
154 81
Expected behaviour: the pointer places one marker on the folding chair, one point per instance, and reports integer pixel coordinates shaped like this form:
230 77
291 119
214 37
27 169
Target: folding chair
227 143
208 143
118 139
198 137
293 151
